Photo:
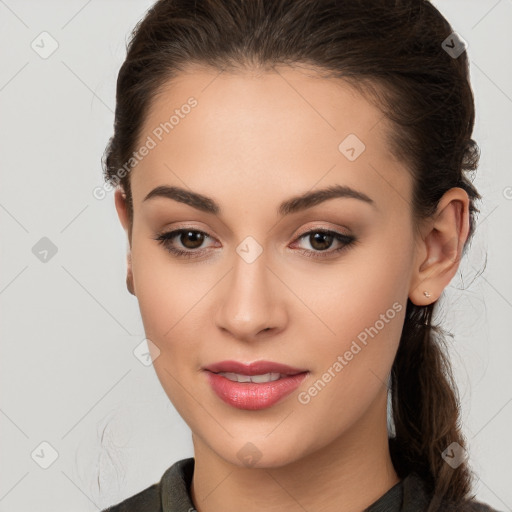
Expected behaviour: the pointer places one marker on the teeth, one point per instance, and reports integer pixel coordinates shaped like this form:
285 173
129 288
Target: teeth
237 377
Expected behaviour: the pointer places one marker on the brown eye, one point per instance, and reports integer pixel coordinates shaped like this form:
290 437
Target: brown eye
320 240
191 239
184 242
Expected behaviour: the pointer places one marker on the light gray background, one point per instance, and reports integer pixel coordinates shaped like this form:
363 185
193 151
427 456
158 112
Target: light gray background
69 376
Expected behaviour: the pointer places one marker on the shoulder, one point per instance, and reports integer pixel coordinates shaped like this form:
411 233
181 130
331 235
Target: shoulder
171 493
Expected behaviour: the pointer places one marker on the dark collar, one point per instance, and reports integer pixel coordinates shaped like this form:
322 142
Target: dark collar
406 496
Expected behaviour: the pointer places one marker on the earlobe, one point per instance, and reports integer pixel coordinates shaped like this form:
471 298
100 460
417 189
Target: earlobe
129 274
440 247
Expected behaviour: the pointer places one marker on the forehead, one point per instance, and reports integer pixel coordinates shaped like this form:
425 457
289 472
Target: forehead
276 132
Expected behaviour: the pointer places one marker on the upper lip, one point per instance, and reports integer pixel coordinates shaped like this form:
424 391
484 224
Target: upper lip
256 368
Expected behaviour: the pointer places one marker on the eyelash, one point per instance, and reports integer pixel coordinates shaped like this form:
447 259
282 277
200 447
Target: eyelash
165 238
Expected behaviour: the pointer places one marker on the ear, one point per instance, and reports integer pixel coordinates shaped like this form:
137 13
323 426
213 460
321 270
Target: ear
439 247
122 213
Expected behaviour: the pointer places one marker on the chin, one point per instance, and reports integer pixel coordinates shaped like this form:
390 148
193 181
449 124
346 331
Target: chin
255 452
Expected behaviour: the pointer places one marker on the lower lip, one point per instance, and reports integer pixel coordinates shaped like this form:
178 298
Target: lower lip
251 395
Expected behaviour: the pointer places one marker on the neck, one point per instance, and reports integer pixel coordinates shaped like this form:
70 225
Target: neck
354 470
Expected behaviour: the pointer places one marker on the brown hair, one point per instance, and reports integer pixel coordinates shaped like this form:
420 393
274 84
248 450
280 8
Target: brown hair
391 51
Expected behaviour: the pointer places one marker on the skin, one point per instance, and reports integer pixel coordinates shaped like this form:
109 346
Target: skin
253 141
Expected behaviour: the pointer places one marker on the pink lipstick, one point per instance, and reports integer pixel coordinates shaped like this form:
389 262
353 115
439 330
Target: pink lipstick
254 386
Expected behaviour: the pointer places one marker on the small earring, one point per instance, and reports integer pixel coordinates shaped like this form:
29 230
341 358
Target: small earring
426 293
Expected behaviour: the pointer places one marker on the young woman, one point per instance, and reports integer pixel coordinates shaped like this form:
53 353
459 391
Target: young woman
291 176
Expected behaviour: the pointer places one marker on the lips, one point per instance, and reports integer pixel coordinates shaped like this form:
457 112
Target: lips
253 395
256 368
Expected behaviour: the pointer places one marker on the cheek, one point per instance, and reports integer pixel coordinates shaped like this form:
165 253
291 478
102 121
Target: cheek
364 285
164 291
351 366
363 303
170 309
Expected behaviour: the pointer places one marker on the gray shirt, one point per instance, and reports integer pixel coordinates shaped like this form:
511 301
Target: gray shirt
172 494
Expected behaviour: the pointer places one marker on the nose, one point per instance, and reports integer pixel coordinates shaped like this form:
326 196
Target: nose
250 301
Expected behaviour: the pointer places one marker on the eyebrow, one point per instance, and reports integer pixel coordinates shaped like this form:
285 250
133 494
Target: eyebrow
292 205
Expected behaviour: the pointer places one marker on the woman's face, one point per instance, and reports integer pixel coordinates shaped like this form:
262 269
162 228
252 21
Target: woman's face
266 284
